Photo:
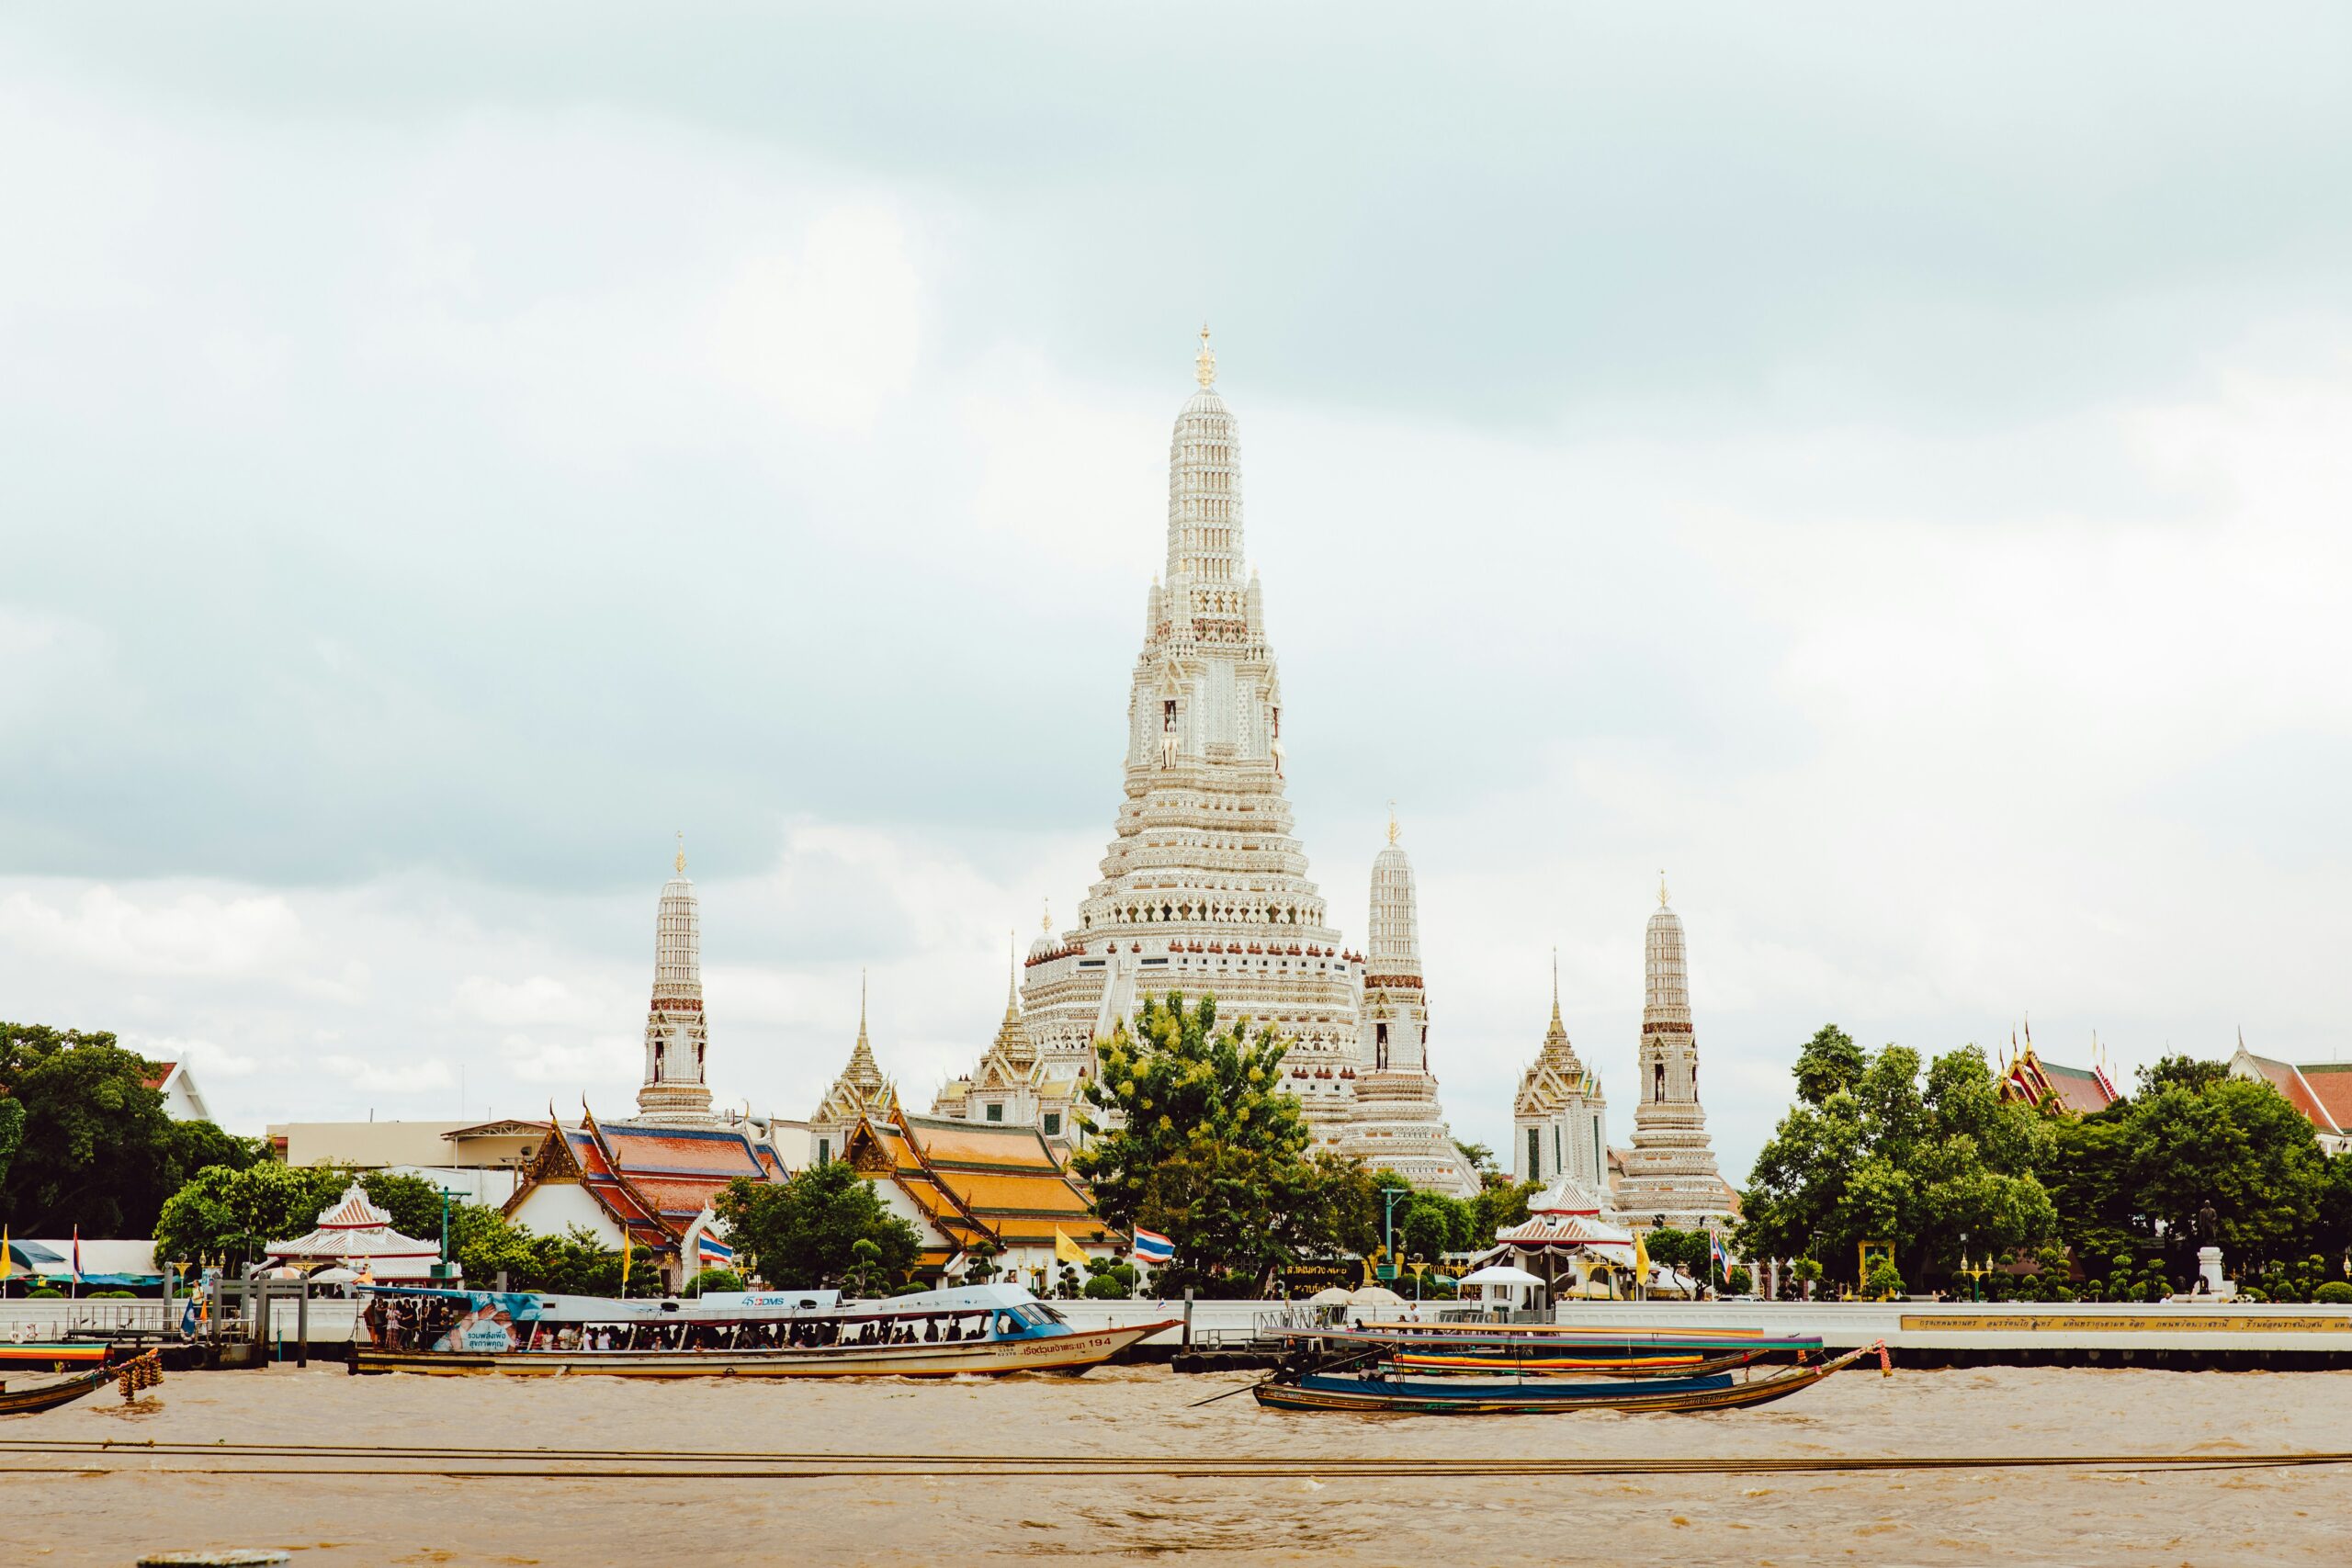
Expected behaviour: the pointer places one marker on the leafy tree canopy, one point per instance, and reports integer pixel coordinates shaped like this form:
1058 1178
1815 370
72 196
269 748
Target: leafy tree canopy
806 1232
1876 1149
1206 1147
88 1145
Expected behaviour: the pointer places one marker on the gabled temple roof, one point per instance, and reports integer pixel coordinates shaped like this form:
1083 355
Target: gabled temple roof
2325 1108
652 1180
978 1180
2077 1091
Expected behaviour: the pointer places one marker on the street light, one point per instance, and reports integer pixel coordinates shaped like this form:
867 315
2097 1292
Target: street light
446 1193
1388 1226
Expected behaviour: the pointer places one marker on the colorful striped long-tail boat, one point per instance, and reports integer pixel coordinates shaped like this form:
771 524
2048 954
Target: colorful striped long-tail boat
1604 1348
1467 1361
1376 1393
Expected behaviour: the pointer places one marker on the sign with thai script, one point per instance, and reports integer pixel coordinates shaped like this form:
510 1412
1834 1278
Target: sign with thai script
2200 1321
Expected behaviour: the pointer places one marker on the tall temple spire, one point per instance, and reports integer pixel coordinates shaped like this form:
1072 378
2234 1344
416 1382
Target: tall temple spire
676 1036
1206 570
1392 935
1204 362
1396 1123
1202 887
1670 1169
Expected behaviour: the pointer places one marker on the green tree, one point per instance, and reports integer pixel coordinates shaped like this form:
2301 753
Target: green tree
413 1202
84 1143
12 1137
1109 1280
1206 1147
229 1217
1480 1156
1501 1203
2131 1179
1827 1064
1893 1153
868 1275
96 1150
1684 1250
714 1279
805 1232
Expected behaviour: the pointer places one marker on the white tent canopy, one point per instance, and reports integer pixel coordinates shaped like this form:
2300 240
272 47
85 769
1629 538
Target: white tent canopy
1330 1295
1500 1274
355 1231
1375 1295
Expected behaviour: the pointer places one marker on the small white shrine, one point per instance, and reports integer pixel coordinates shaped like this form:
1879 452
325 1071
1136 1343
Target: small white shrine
359 1235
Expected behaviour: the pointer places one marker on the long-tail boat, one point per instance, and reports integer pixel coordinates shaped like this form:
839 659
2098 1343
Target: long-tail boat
766 1334
1378 1391
22 1396
1492 1361
1543 1347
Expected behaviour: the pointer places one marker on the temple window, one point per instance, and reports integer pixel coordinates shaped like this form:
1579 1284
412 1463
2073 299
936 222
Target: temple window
995 1112
1657 1082
824 1150
1053 1124
1534 1155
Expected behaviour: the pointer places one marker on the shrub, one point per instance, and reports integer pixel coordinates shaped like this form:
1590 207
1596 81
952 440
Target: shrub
715 1279
1885 1282
113 1295
2336 1292
46 1293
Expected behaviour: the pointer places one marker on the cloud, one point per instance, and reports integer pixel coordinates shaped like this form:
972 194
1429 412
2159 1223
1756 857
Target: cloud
1941 578
167 933
207 1059
391 1077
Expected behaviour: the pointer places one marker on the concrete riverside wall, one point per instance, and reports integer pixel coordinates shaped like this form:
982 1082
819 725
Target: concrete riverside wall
2006 1327
331 1319
1935 1332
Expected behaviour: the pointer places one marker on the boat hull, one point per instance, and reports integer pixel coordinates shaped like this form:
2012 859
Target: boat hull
1058 1353
1661 1397
19 1401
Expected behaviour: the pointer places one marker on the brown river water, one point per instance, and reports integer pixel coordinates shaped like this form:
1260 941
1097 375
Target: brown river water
2266 1515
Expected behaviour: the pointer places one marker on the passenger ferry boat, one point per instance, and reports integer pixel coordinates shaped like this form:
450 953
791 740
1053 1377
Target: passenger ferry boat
766 1334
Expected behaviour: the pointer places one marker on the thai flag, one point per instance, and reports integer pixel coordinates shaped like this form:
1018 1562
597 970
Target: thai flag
1716 1254
77 1254
1153 1247
714 1250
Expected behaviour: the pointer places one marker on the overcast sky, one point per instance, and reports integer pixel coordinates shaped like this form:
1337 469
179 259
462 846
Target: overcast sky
1891 474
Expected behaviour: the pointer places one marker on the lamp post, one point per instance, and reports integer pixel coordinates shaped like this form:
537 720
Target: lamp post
1388 1224
446 1193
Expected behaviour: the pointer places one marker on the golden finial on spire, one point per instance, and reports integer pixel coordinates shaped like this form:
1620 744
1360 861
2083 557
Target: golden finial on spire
681 862
1391 821
1204 362
1046 920
1661 888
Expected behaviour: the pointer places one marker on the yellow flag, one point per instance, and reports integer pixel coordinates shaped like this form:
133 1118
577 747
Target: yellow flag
8 1260
1068 1250
1641 1257
627 1252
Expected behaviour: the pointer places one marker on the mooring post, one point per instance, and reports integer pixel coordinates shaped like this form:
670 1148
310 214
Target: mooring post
302 1326
1188 1317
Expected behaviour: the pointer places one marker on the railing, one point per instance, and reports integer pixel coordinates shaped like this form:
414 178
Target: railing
22 1320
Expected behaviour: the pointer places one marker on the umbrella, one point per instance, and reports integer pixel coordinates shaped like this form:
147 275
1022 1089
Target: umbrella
1330 1295
1500 1274
335 1276
1375 1295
